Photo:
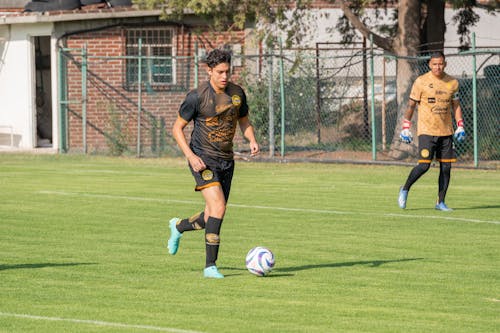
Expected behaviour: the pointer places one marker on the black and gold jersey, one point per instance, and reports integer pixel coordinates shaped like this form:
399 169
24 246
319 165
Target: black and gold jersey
435 96
215 118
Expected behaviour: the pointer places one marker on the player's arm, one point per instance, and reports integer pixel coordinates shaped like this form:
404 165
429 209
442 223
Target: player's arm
178 133
248 132
457 110
406 135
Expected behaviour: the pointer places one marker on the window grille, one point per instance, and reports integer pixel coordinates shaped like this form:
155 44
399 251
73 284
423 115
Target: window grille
158 65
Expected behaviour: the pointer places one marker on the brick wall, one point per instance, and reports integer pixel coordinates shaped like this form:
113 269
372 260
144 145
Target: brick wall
112 108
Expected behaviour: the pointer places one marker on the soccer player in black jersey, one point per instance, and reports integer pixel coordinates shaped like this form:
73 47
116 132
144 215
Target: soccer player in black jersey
216 107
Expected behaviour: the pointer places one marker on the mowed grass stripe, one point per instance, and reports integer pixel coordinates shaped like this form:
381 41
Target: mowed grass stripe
288 209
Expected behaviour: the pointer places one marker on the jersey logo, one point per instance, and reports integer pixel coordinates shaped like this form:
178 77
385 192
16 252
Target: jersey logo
207 174
236 100
431 100
424 153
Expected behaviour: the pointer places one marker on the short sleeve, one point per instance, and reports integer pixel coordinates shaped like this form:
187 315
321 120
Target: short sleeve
456 95
243 112
416 90
189 108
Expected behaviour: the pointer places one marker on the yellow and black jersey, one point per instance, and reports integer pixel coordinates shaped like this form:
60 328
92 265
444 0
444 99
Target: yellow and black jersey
435 96
215 118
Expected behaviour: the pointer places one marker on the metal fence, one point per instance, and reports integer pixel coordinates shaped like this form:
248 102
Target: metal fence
326 104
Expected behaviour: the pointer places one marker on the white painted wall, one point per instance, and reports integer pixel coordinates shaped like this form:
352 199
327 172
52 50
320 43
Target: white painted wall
17 80
486 30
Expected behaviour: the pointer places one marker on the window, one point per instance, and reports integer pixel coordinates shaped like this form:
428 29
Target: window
158 64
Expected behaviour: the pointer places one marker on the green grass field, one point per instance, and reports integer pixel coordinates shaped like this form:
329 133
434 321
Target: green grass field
83 249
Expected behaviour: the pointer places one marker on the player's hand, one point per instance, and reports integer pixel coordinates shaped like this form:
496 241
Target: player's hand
254 149
196 163
460 134
406 136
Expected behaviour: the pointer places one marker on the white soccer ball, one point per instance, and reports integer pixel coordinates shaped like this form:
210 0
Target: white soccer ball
260 261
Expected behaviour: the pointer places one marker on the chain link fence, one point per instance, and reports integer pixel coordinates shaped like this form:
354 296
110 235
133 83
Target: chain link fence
331 103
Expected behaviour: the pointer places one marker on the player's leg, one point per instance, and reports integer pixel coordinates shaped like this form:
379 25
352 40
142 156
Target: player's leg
445 154
444 179
426 146
205 178
215 209
216 201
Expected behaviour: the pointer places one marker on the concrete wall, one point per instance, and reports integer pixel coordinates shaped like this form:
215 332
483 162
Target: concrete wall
17 81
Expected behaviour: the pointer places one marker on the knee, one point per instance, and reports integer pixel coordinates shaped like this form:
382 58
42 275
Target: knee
423 167
216 210
446 167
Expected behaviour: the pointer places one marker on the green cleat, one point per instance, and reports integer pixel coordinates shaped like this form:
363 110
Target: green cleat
212 272
175 236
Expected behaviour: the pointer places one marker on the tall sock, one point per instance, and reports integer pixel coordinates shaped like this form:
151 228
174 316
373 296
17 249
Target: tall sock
212 240
444 179
415 174
195 222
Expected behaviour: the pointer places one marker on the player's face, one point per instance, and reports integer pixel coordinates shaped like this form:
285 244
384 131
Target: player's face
437 66
219 76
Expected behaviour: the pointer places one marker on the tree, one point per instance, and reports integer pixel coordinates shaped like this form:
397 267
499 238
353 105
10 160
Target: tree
419 27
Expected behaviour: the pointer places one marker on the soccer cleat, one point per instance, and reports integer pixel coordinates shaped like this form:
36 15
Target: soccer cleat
403 195
212 272
175 236
442 207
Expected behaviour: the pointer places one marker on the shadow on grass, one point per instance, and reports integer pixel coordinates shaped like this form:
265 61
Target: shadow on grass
42 265
370 263
454 208
478 207
284 271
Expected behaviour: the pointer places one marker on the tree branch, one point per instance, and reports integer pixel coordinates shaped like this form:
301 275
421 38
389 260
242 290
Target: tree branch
383 42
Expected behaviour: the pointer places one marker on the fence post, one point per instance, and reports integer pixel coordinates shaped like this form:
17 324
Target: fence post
84 98
139 98
282 93
195 64
372 79
474 99
62 106
271 103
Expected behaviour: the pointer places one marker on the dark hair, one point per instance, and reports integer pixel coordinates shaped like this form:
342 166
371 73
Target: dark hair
217 56
437 54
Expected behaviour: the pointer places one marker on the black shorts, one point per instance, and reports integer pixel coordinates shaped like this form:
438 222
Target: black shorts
441 146
218 172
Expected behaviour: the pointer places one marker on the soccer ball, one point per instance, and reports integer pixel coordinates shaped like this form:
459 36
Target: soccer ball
260 261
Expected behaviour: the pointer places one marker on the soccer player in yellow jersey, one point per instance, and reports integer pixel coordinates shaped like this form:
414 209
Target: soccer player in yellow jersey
436 94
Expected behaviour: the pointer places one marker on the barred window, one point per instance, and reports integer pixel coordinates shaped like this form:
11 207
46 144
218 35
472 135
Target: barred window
158 64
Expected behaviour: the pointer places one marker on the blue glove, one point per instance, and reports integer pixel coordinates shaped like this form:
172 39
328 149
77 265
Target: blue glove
460 134
406 136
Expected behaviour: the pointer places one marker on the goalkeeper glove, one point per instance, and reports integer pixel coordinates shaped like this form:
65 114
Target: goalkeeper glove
406 135
460 132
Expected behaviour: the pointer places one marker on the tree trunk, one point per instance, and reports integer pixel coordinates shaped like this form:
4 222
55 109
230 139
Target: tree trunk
406 44
434 26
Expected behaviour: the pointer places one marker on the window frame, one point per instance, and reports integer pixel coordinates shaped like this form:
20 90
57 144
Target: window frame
148 47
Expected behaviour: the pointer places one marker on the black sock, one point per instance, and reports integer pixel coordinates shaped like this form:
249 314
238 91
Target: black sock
444 179
212 240
415 174
195 222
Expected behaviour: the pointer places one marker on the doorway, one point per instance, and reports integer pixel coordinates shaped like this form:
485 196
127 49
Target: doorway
43 92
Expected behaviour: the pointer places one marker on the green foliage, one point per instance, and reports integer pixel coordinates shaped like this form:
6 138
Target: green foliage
464 18
117 137
229 15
